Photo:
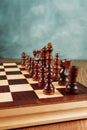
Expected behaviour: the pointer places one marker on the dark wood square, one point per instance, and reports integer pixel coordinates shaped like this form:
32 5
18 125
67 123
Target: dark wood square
18 81
3 77
35 86
13 72
10 66
2 70
4 89
26 75
26 97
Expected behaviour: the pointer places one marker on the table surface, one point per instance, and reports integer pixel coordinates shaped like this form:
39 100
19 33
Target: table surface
69 125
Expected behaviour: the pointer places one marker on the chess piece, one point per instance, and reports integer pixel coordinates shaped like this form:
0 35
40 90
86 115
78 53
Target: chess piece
34 53
63 72
29 64
56 67
42 65
36 70
44 51
27 61
49 88
72 87
31 71
23 59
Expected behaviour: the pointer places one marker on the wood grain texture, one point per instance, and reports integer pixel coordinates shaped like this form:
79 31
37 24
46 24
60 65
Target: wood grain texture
70 125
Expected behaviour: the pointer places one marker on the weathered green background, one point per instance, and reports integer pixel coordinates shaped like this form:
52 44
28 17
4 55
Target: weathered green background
30 24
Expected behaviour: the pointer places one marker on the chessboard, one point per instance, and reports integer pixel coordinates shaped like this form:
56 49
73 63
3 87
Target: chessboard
23 103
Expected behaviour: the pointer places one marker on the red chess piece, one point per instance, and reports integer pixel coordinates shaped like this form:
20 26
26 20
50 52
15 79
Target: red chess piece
23 59
72 87
34 53
63 72
27 62
56 67
42 65
36 70
34 75
49 88
31 71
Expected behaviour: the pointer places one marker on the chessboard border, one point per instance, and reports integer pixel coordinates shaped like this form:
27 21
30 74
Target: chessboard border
32 116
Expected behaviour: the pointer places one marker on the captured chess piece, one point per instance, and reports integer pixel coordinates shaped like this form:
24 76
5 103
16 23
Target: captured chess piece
72 87
23 58
63 72
49 88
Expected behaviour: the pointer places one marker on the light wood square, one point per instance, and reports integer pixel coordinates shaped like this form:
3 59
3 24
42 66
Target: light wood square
40 94
20 66
31 81
20 87
6 97
1 67
9 64
56 85
3 82
11 69
24 72
2 73
19 76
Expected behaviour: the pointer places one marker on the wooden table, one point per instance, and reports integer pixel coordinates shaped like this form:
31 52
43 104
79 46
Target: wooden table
70 125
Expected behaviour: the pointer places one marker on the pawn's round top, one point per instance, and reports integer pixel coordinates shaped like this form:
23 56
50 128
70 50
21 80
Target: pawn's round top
49 47
23 55
34 53
57 55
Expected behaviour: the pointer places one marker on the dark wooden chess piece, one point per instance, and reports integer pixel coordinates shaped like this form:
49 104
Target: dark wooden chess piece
35 65
23 58
27 62
44 51
49 88
63 72
31 71
56 67
72 87
34 53
42 65
36 70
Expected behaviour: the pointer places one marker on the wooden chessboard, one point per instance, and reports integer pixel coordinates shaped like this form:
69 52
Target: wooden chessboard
22 103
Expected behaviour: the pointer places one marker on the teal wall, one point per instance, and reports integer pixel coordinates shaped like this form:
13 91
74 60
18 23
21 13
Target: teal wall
30 24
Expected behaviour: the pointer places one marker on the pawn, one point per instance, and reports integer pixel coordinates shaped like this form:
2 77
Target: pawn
56 67
72 87
31 72
34 53
27 62
23 59
42 65
36 70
